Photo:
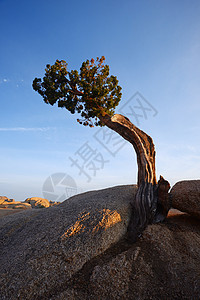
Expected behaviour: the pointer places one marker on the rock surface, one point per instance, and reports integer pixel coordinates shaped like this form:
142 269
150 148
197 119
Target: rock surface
42 250
12 204
5 212
4 199
37 202
53 203
163 264
185 196
77 250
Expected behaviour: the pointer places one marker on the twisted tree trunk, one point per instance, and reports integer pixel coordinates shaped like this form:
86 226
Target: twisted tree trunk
151 203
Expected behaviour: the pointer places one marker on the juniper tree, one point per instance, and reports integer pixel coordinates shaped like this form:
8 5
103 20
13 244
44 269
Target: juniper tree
94 95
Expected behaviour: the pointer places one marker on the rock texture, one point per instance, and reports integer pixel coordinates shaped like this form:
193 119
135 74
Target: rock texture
6 212
53 203
78 250
42 250
185 196
4 199
163 264
37 202
12 204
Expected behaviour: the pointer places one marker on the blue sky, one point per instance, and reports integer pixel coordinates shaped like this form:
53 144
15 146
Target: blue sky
153 47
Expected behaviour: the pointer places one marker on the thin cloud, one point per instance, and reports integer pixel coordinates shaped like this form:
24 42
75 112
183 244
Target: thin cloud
4 80
16 83
25 129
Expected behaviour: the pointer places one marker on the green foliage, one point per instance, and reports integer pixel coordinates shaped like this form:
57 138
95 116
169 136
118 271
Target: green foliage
90 92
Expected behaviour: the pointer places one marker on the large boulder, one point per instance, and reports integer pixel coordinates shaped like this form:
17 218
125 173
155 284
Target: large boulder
37 202
41 251
78 250
163 264
185 196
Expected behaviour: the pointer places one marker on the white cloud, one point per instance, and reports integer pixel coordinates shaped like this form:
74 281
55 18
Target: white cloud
23 129
4 80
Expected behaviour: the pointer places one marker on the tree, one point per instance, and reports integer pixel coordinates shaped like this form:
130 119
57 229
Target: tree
94 94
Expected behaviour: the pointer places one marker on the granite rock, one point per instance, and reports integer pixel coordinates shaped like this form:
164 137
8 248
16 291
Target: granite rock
50 246
37 202
8 204
185 196
78 250
4 199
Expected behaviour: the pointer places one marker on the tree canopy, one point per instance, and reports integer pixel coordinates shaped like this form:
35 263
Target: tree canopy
90 91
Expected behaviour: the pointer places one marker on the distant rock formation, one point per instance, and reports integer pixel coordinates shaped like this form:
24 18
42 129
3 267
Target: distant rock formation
4 199
34 202
12 204
78 250
37 202
53 203
185 196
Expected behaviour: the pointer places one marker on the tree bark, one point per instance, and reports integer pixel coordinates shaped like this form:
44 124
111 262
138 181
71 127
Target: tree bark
149 205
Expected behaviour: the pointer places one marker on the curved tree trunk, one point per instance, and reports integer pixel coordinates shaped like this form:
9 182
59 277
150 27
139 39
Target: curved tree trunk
151 202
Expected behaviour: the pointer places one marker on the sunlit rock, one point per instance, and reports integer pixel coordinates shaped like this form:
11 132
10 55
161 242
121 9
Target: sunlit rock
185 196
55 243
37 202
